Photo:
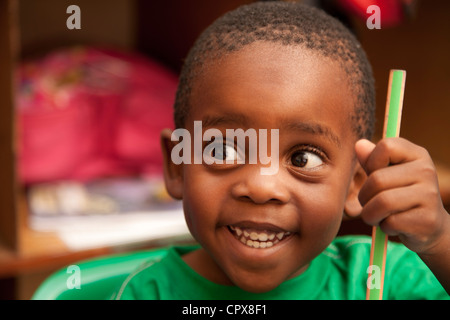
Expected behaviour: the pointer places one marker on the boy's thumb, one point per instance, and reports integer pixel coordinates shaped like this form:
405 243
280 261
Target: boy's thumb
363 149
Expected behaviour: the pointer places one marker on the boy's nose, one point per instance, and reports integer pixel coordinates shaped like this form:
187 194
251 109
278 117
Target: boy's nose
259 188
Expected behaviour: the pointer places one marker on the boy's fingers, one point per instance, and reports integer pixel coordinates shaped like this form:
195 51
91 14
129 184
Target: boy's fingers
388 178
363 149
388 151
388 203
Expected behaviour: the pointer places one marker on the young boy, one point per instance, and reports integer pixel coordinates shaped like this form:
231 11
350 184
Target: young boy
291 68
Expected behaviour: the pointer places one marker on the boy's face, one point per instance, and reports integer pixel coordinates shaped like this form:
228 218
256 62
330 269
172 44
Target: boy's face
308 99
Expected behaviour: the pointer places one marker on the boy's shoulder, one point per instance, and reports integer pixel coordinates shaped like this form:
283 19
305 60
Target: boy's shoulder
406 275
149 278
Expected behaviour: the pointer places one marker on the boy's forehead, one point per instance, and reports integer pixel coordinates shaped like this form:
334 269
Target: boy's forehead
276 80
266 63
263 55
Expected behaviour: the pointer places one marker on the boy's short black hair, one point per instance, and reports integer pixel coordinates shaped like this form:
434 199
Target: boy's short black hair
289 24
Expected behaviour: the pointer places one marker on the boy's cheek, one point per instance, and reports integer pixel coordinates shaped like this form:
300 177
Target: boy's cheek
320 209
201 194
321 227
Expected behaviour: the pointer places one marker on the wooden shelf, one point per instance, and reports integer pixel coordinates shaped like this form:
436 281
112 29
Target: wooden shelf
38 250
43 251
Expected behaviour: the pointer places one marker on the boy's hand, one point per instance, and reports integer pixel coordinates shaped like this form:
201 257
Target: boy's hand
401 195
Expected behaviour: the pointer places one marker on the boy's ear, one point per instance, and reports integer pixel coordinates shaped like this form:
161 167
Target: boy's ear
173 173
353 208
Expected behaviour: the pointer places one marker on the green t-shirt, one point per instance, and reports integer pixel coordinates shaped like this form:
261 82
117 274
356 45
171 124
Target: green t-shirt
337 273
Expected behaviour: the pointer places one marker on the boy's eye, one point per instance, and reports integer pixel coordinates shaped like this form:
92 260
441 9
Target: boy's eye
306 159
219 152
224 152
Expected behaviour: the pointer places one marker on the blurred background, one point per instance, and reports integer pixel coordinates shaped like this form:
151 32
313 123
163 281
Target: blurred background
81 111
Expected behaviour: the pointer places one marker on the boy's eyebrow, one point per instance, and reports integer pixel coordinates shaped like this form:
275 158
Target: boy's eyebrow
314 128
232 118
241 120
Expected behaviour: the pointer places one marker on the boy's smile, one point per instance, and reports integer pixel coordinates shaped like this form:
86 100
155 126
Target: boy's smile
258 235
259 230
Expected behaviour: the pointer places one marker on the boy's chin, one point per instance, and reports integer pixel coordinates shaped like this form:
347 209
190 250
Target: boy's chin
257 283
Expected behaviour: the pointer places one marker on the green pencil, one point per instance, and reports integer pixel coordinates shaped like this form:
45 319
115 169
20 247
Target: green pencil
393 113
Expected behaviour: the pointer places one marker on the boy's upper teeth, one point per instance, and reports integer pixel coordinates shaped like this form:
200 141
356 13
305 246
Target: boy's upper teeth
261 236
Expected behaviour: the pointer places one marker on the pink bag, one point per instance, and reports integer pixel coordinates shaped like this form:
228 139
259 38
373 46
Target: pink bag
86 113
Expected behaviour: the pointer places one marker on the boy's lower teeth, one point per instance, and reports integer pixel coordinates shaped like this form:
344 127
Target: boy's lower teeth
258 240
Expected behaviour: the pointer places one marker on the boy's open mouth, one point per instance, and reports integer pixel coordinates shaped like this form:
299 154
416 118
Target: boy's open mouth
259 239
